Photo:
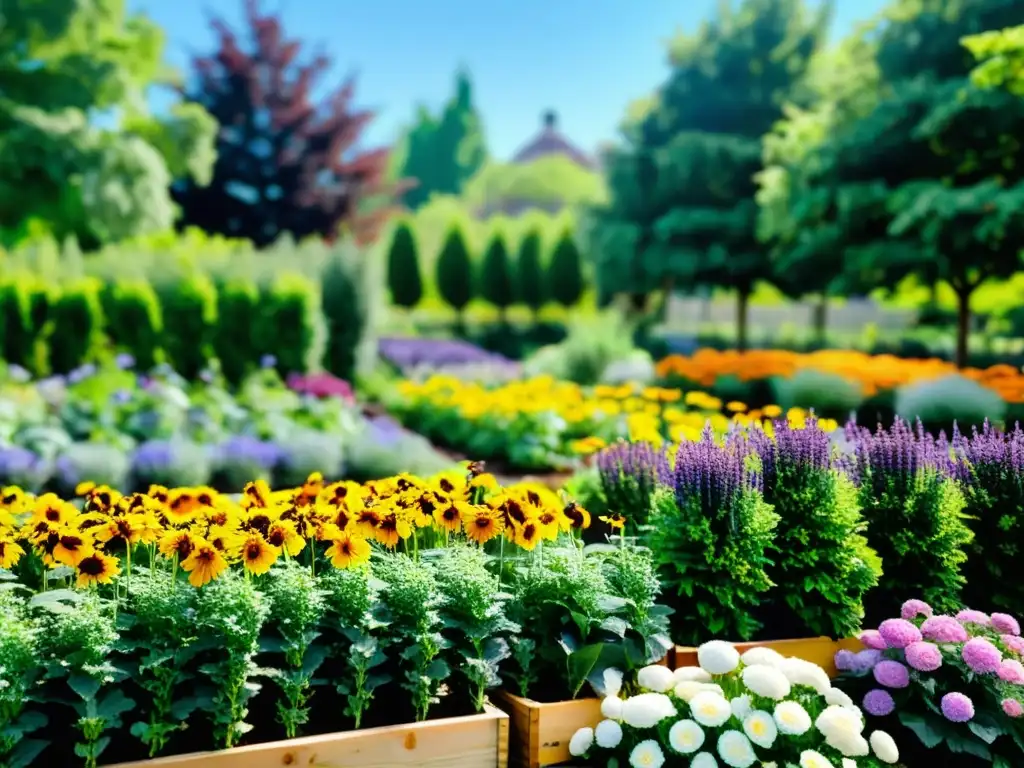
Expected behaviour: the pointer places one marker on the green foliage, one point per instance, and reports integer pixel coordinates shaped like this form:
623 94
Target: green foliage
591 346
20 325
76 323
1001 57
134 321
19 671
632 576
551 181
829 394
291 324
496 280
404 280
350 295
442 152
64 64
713 563
235 339
530 287
455 279
823 567
940 402
190 316
565 272
915 524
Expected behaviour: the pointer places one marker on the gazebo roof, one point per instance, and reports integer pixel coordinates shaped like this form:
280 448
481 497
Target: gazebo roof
550 142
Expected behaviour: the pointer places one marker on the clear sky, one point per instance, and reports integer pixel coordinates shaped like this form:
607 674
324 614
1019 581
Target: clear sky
586 59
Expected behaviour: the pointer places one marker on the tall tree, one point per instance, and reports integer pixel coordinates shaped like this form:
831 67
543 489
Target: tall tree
60 64
682 208
285 164
455 279
443 152
530 287
404 280
565 272
925 183
496 283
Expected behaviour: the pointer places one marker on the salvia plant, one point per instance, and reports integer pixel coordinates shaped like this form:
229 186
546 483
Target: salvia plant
823 566
711 536
630 475
951 687
914 509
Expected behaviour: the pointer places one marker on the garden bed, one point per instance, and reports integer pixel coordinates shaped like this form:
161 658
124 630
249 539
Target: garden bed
475 741
541 732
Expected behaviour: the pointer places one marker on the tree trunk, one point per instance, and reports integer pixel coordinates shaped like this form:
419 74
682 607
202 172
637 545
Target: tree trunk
819 320
963 325
742 313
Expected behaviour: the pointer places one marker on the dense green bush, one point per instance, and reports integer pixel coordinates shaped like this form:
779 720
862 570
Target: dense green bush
291 324
190 318
23 310
565 272
591 346
496 282
828 394
76 324
529 270
134 320
351 292
404 279
455 276
940 402
234 338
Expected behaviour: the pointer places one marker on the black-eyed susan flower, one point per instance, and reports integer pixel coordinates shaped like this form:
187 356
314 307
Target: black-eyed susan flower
616 522
307 494
204 565
96 568
282 534
526 536
393 528
182 506
51 509
482 523
448 515
575 517
135 528
255 494
101 498
14 500
10 552
547 520
159 494
225 539
348 551
367 521
178 544
257 554
84 488
71 547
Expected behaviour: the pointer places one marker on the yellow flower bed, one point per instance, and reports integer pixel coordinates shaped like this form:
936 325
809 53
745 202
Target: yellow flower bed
874 373
203 533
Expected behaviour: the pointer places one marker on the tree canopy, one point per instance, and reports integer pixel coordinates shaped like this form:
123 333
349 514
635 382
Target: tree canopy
549 182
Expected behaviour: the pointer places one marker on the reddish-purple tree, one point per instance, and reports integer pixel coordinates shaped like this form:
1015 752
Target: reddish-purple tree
284 163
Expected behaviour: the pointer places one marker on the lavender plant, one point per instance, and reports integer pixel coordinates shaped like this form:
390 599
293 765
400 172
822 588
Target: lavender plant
914 509
823 566
630 474
230 614
711 536
993 486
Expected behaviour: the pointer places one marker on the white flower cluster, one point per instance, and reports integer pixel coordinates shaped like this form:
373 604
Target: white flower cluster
733 711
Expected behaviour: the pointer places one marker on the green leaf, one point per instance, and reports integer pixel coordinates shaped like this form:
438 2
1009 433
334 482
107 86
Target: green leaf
615 625
113 705
56 600
84 685
30 720
437 670
580 665
25 753
985 728
923 728
960 744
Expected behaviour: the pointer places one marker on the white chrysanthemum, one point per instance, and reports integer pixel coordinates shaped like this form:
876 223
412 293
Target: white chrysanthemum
741 706
839 720
611 707
766 681
695 674
849 744
703 760
884 747
718 657
655 678
811 759
687 689
647 710
764 656
791 718
800 672
686 737
735 750
838 697
647 754
608 734
760 728
581 742
710 709
612 679
848 763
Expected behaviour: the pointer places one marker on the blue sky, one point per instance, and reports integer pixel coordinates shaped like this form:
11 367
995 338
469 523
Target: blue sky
586 59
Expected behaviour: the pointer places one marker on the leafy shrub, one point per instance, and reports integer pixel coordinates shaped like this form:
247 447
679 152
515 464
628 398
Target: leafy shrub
455 279
190 317
913 507
496 280
100 463
637 367
823 567
23 312
711 536
350 292
135 320
76 318
828 394
23 468
631 474
291 325
234 338
171 463
306 451
531 288
404 279
940 402
591 346
565 272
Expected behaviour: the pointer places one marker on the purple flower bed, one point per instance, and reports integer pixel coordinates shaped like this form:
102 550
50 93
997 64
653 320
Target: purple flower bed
437 353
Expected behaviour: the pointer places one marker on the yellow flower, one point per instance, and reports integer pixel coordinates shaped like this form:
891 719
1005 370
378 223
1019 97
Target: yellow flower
482 523
282 534
392 528
177 543
71 547
348 551
449 515
772 411
10 552
96 568
736 406
615 522
526 536
587 445
257 554
204 565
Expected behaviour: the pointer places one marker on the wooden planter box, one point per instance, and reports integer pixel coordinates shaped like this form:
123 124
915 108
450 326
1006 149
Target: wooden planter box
541 732
818 650
475 741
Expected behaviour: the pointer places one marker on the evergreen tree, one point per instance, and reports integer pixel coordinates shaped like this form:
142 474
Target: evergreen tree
455 273
404 279
530 287
565 272
496 282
